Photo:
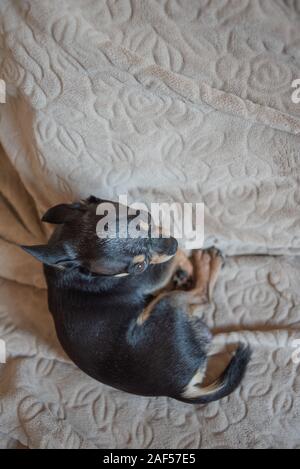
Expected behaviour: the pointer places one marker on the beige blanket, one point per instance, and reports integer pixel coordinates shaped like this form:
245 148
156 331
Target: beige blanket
166 100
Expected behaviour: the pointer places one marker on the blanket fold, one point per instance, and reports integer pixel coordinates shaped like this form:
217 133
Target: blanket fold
165 101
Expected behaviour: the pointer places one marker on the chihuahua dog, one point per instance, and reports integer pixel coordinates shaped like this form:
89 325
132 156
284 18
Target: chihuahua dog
116 318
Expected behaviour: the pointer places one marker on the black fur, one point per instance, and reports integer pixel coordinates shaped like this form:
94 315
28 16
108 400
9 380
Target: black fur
96 313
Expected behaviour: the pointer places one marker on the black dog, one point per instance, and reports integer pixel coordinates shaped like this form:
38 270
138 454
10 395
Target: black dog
101 295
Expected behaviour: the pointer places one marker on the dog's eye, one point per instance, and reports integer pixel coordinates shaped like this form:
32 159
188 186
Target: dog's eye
140 267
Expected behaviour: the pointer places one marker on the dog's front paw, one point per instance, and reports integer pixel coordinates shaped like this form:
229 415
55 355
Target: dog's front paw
208 263
217 256
208 256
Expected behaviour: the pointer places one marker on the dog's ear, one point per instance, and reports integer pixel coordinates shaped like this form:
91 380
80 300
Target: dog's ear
63 213
54 256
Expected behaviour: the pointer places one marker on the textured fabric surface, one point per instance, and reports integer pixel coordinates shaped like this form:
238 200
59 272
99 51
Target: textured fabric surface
166 100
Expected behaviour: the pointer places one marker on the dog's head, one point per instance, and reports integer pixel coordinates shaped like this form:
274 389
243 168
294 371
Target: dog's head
102 243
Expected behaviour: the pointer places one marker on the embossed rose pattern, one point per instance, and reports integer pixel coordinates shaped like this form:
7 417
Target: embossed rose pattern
167 100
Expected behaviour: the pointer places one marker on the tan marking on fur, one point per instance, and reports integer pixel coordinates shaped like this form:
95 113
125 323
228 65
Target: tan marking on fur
207 268
160 258
199 294
202 270
194 391
184 263
139 258
192 388
145 314
166 283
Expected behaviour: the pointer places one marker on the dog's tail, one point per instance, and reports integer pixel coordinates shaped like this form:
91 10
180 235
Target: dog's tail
224 385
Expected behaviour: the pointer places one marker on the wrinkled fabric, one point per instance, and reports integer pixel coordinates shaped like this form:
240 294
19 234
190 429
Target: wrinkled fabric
163 100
